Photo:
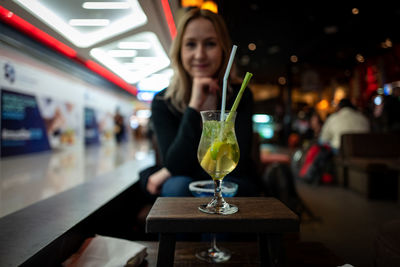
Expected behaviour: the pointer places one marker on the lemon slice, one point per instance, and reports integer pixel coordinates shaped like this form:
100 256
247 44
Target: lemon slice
218 149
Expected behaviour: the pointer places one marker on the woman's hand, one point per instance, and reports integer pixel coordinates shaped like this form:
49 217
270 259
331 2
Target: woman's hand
204 93
156 180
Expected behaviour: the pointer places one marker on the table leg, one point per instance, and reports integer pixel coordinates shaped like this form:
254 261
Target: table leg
166 250
271 250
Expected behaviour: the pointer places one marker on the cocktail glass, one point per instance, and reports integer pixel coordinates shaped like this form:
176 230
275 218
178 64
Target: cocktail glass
206 189
218 154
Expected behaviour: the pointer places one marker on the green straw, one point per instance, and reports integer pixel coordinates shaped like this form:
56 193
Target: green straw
239 95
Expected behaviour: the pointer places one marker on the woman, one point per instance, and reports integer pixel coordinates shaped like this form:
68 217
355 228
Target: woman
199 53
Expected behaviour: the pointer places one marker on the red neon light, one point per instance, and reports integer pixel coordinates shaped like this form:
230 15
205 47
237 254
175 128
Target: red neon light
169 18
30 30
34 32
110 76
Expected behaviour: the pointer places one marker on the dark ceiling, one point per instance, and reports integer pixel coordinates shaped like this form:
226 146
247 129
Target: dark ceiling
322 37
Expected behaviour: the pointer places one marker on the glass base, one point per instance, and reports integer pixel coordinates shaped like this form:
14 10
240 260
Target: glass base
224 209
214 255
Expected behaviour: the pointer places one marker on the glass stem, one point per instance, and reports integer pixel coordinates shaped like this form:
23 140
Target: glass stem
214 242
218 189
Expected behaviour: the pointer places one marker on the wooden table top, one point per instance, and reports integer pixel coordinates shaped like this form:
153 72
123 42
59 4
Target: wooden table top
255 215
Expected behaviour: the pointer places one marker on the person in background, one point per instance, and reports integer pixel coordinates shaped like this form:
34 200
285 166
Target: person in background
119 128
315 124
199 53
346 119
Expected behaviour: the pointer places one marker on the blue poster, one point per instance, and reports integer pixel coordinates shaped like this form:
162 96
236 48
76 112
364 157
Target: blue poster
23 129
92 135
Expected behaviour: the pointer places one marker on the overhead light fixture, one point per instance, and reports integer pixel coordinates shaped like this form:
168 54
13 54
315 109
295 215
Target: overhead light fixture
106 5
140 66
252 46
84 37
134 45
156 82
89 22
355 11
122 53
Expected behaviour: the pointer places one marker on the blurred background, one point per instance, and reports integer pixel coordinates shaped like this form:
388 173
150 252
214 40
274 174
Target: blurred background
77 79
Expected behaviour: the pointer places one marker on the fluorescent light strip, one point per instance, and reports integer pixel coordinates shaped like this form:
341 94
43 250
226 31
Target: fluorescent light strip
30 30
89 22
106 5
134 45
150 65
134 20
122 53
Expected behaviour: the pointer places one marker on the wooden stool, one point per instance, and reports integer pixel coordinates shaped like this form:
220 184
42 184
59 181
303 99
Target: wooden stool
267 217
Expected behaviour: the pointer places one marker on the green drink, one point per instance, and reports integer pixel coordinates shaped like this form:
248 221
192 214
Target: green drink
218 154
218 158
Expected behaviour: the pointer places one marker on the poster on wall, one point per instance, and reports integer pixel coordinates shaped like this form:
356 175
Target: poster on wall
92 136
99 126
62 121
22 128
106 126
32 123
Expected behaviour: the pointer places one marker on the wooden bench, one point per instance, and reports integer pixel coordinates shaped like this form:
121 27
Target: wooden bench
369 163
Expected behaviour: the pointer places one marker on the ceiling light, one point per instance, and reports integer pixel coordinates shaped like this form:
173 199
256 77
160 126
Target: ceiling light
282 80
134 45
355 11
89 22
122 53
155 82
387 43
141 66
360 58
252 46
55 17
106 5
294 59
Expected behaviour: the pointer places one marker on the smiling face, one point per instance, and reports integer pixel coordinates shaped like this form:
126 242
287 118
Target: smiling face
201 52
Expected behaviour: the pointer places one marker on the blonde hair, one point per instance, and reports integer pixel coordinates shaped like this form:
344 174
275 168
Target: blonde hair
179 90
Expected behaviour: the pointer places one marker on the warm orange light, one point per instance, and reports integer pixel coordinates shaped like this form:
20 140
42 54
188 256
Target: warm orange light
252 46
210 5
339 94
191 3
323 104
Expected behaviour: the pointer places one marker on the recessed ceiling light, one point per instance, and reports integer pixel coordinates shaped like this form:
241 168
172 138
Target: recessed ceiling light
252 46
294 58
89 22
360 58
57 17
122 53
134 45
106 5
144 64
